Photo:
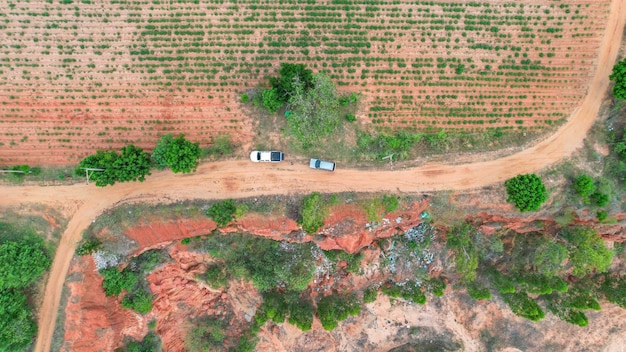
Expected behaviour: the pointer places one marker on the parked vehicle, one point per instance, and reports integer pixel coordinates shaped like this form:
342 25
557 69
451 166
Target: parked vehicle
267 156
322 165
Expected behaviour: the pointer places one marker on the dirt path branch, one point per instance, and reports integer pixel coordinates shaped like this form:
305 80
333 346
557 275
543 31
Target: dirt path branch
234 179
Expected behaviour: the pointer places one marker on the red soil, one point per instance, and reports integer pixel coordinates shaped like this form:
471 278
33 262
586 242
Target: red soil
154 233
93 321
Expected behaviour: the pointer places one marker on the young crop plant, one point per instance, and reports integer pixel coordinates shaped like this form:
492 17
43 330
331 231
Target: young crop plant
527 192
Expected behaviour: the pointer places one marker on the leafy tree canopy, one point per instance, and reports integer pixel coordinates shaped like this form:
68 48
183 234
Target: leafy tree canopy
222 212
132 164
17 329
584 186
527 192
587 251
314 112
284 84
619 76
314 211
177 153
22 262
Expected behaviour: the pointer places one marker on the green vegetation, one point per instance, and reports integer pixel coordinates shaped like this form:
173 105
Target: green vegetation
207 334
587 251
216 276
524 306
290 76
177 153
314 112
23 259
410 291
382 145
88 246
150 343
478 291
222 212
353 261
314 211
132 164
267 263
335 308
436 286
466 255
619 77
278 306
527 192
390 203
271 101
370 294
584 186
131 280
222 146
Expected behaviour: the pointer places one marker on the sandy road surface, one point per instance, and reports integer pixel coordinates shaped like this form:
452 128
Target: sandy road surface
234 179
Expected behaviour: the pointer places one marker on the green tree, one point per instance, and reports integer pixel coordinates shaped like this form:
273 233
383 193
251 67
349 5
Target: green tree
548 257
587 251
314 112
600 199
22 262
619 77
584 186
527 192
283 85
138 300
17 328
177 153
222 212
132 164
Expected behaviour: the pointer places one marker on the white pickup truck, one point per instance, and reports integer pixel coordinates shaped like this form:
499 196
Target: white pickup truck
267 156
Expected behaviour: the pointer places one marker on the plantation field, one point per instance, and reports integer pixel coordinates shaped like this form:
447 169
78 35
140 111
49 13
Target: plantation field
77 75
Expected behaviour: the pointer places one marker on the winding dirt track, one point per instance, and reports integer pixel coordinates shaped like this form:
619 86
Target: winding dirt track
235 179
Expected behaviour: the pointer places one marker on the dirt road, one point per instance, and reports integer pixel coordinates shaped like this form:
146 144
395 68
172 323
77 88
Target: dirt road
234 179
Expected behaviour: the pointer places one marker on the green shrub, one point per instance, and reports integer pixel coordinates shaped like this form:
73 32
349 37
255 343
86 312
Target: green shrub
222 212
150 343
222 146
409 291
618 75
459 239
207 334
390 203
314 212
88 246
138 300
271 101
350 117
502 283
523 306
334 308
602 215
527 192
587 251
185 241
283 85
614 289
116 281
478 291
599 199
216 276
370 294
245 98
584 186
436 286
301 314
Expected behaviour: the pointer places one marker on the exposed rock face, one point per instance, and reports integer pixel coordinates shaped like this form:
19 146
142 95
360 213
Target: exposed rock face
94 322
450 323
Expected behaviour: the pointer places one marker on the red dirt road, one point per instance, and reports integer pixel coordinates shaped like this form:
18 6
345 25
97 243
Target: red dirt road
234 179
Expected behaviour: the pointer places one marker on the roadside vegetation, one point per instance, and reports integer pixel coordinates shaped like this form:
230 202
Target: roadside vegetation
23 260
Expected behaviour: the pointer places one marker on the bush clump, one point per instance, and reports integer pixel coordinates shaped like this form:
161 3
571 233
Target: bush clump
335 308
222 212
527 192
314 211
